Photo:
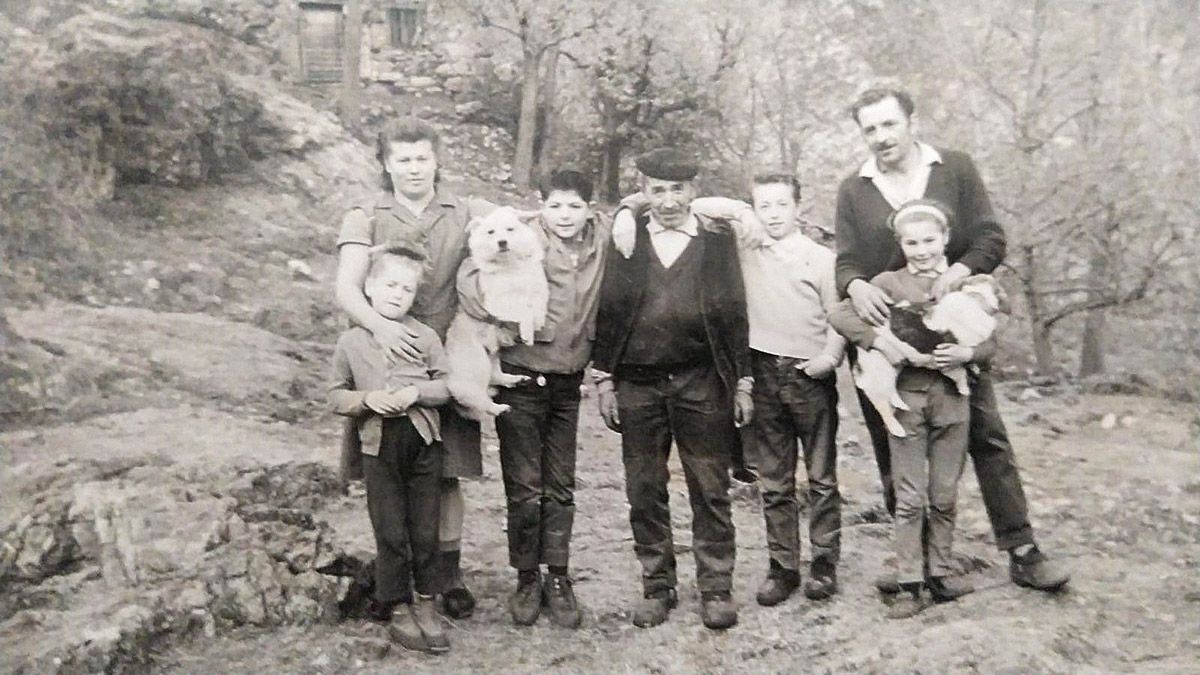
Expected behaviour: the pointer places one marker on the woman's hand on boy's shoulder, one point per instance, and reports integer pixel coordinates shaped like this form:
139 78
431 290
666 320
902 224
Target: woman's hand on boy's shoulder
398 340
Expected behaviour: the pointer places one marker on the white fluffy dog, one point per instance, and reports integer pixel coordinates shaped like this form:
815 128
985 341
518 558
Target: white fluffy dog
513 286
968 314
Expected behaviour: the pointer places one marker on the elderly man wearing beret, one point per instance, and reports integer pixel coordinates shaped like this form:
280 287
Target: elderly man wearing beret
672 362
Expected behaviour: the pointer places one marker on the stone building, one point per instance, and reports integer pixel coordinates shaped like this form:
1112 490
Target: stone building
410 44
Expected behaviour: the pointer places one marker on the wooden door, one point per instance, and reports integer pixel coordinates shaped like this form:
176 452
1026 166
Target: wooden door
321 40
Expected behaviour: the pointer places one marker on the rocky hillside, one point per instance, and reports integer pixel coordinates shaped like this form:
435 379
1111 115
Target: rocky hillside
159 161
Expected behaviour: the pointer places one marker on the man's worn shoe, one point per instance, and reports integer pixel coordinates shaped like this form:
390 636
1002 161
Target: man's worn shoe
822 580
430 624
887 583
560 601
1035 570
947 588
458 603
777 587
653 609
717 611
404 631
525 604
906 605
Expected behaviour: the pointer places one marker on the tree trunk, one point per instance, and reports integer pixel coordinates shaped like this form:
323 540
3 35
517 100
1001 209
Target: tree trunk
351 91
1043 348
785 155
1091 354
549 94
527 123
612 146
613 149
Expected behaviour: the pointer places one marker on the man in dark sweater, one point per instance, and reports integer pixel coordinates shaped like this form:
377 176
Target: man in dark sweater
673 364
902 169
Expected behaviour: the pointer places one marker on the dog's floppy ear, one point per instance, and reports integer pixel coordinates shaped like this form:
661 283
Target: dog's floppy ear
1002 304
986 285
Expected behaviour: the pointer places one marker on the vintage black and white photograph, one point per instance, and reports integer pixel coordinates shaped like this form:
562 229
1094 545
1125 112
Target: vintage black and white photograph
599 336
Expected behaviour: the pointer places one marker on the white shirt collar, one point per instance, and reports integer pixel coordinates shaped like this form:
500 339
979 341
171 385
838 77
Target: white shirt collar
929 157
938 271
690 227
793 238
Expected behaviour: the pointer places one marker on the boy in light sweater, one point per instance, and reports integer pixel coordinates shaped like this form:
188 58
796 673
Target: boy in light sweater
790 291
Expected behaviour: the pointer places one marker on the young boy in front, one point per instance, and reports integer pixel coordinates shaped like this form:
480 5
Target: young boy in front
538 435
928 462
393 402
794 351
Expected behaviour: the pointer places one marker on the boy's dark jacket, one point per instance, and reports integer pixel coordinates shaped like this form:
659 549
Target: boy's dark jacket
722 300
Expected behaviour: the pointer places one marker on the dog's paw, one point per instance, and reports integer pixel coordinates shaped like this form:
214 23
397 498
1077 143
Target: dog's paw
499 409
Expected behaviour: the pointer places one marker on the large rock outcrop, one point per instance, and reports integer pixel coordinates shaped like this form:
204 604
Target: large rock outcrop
165 102
102 559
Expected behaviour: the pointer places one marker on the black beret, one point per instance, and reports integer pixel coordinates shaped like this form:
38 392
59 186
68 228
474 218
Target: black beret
667 164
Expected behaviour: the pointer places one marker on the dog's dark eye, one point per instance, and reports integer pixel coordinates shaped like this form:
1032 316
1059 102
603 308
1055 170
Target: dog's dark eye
491 232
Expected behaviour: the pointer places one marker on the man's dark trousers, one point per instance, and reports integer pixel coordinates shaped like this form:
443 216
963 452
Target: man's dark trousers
790 405
991 453
537 459
404 503
692 407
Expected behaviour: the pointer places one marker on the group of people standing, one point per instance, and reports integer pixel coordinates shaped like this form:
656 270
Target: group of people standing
697 316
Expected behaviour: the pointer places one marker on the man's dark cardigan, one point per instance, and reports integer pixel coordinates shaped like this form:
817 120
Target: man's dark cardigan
866 246
722 300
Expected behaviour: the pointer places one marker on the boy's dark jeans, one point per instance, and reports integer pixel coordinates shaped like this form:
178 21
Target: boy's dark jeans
990 452
404 503
789 406
692 407
537 458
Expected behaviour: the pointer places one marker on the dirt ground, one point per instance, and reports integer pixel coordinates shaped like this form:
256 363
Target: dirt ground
1118 505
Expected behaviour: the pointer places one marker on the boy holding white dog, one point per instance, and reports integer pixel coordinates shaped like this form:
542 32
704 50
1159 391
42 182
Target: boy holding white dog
538 434
392 403
928 461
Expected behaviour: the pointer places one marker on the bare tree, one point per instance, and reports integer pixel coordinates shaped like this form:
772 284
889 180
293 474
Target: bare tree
349 100
540 28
